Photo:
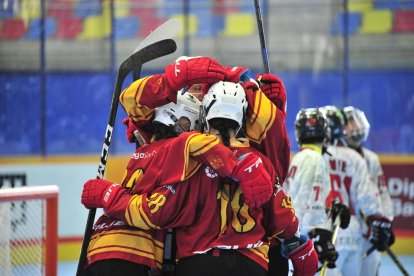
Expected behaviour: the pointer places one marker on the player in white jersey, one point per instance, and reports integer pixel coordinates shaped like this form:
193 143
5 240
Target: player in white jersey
352 186
308 184
357 133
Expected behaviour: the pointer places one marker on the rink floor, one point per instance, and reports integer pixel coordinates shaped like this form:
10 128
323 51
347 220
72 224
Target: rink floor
387 266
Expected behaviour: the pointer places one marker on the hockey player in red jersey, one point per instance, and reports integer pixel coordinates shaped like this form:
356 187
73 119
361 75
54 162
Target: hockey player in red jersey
274 141
217 232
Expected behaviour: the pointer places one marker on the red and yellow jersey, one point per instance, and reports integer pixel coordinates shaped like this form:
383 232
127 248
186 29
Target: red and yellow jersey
266 129
209 212
161 163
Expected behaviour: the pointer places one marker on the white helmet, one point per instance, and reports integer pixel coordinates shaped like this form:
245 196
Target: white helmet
183 115
225 100
357 126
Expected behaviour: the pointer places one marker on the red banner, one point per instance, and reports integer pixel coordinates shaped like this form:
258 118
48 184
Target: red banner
400 181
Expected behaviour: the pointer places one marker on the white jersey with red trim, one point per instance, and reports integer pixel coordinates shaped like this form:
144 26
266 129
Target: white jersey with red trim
370 264
377 174
308 185
351 185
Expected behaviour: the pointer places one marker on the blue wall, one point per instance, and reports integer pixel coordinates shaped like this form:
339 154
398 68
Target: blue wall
77 109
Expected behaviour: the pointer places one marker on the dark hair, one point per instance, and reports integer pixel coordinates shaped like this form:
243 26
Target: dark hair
224 126
162 131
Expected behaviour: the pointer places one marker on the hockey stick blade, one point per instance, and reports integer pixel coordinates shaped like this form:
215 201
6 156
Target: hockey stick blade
167 30
134 62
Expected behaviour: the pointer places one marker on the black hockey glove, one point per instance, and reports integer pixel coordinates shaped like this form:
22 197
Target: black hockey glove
323 246
380 232
343 211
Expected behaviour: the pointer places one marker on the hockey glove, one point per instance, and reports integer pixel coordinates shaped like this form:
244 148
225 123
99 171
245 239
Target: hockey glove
323 246
237 74
302 254
250 88
343 212
131 130
100 193
380 232
253 179
186 71
273 87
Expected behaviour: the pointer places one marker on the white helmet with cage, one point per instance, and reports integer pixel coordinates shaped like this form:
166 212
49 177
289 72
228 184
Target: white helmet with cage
225 100
357 126
183 115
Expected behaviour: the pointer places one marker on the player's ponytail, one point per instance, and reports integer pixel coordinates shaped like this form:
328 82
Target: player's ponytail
224 126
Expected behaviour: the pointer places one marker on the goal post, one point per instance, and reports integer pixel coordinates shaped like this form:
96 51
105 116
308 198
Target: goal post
29 230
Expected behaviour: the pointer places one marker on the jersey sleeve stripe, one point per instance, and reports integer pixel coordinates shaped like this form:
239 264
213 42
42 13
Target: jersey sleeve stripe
200 143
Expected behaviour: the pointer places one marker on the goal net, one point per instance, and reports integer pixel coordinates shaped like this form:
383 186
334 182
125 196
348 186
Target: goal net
28 231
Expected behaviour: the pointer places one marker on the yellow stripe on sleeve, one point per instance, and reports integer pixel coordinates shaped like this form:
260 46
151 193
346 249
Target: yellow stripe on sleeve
135 214
200 143
130 98
264 115
196 144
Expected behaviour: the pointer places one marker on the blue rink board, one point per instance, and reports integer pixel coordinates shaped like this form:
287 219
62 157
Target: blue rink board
77 109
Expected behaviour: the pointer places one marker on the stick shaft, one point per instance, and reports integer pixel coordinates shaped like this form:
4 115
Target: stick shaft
396 261
335 231
262 36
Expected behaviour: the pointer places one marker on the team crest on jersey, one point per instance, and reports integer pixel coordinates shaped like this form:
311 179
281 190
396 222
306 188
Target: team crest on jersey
210 173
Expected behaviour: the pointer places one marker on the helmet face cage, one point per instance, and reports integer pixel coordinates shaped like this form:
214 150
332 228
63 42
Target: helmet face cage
336 122
357 126
365 124
310 124
225 100
182 116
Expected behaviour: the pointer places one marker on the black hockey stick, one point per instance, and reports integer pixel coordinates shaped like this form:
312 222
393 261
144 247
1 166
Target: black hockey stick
335 231
396 261
392 256
369 251
133 63
262 36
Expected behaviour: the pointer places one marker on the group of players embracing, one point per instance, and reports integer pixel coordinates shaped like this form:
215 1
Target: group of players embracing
205 193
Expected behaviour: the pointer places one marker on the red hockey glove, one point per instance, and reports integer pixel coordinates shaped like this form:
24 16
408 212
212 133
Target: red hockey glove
274 89
250 87
380 232
302 254
131 129
253 179
100 193
186 71
237 74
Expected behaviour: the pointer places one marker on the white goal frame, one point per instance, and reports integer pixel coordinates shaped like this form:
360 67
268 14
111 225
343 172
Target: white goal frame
50 194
